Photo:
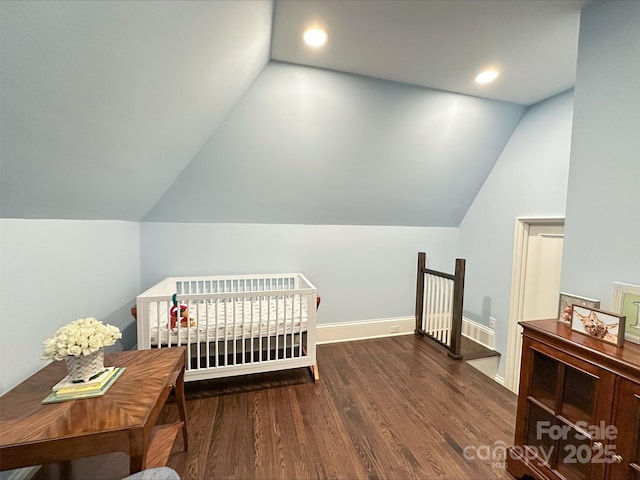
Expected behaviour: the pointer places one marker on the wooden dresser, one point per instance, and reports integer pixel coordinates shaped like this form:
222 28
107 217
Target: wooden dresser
578 407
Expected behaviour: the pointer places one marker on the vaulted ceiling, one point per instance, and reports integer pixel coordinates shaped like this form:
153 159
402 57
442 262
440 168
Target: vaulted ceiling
440 44
107 107
104 103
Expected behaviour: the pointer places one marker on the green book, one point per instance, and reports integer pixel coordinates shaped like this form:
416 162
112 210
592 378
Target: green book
54 397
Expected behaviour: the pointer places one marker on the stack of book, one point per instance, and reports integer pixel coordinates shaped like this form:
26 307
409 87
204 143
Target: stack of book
96 386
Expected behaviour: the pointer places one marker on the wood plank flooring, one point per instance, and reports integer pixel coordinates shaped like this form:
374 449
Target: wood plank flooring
390 408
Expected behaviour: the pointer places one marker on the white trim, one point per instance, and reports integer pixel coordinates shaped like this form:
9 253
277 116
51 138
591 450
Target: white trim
499 379
392 327
516 304
479 333
362 330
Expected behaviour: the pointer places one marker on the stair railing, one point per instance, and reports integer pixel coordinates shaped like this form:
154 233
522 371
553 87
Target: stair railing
439 303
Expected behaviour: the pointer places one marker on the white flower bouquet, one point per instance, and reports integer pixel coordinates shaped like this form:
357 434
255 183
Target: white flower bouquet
80 337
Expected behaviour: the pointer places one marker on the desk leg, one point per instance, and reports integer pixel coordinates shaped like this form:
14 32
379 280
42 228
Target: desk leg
65 469
182 408
135 463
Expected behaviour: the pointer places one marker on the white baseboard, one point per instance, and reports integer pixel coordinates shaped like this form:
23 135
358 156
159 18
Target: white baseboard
390 327
479 333
362 330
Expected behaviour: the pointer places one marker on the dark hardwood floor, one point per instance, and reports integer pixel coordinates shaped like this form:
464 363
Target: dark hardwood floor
395 408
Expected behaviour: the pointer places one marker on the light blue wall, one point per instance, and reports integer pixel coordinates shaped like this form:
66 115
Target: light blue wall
529 179
310 146
54 271
361 272
602 233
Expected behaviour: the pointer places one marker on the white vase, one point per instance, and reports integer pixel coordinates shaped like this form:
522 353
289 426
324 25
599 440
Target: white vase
83 367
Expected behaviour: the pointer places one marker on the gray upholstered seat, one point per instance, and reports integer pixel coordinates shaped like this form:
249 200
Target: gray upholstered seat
159 473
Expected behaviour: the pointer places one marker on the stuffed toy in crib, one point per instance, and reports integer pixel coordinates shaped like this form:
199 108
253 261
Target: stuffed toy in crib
184 317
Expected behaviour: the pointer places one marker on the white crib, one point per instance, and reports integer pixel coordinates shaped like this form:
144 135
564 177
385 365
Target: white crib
232 324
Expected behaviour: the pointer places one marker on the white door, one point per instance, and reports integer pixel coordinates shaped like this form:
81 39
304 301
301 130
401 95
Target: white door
541 267
542 276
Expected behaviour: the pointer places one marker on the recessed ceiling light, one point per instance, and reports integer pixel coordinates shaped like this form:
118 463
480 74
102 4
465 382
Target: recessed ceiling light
315 37
487 76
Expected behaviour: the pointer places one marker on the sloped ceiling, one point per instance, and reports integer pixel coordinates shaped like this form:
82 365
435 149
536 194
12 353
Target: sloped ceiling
104 103
109 107
440 44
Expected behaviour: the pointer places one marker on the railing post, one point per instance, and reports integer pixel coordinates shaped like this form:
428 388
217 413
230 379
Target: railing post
456 320
422 262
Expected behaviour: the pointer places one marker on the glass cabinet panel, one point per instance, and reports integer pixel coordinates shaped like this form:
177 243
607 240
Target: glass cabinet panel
578 396
543 380
540 426
574 454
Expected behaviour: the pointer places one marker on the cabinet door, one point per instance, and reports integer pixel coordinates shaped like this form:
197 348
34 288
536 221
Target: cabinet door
626 465
564 397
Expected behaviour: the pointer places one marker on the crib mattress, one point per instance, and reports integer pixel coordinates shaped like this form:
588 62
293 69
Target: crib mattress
217 320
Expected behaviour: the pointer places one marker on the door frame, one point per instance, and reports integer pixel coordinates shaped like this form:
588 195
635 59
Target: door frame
516 303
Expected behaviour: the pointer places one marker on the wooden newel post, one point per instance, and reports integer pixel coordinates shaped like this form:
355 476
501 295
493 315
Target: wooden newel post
422 262
456 320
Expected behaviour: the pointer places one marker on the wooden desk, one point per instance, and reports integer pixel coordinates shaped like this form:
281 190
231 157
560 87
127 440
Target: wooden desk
123 420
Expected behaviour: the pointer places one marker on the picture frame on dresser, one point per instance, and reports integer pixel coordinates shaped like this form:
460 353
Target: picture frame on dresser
598 324
566 301
626 301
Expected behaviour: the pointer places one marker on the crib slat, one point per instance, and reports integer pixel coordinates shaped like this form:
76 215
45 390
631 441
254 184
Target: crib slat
299 317
261 335
226 344
216 343
290 301
203 326
243 326
234 332
268 334
300 326
277 321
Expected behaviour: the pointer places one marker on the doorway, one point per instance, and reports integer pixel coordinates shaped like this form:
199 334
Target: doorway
537 263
